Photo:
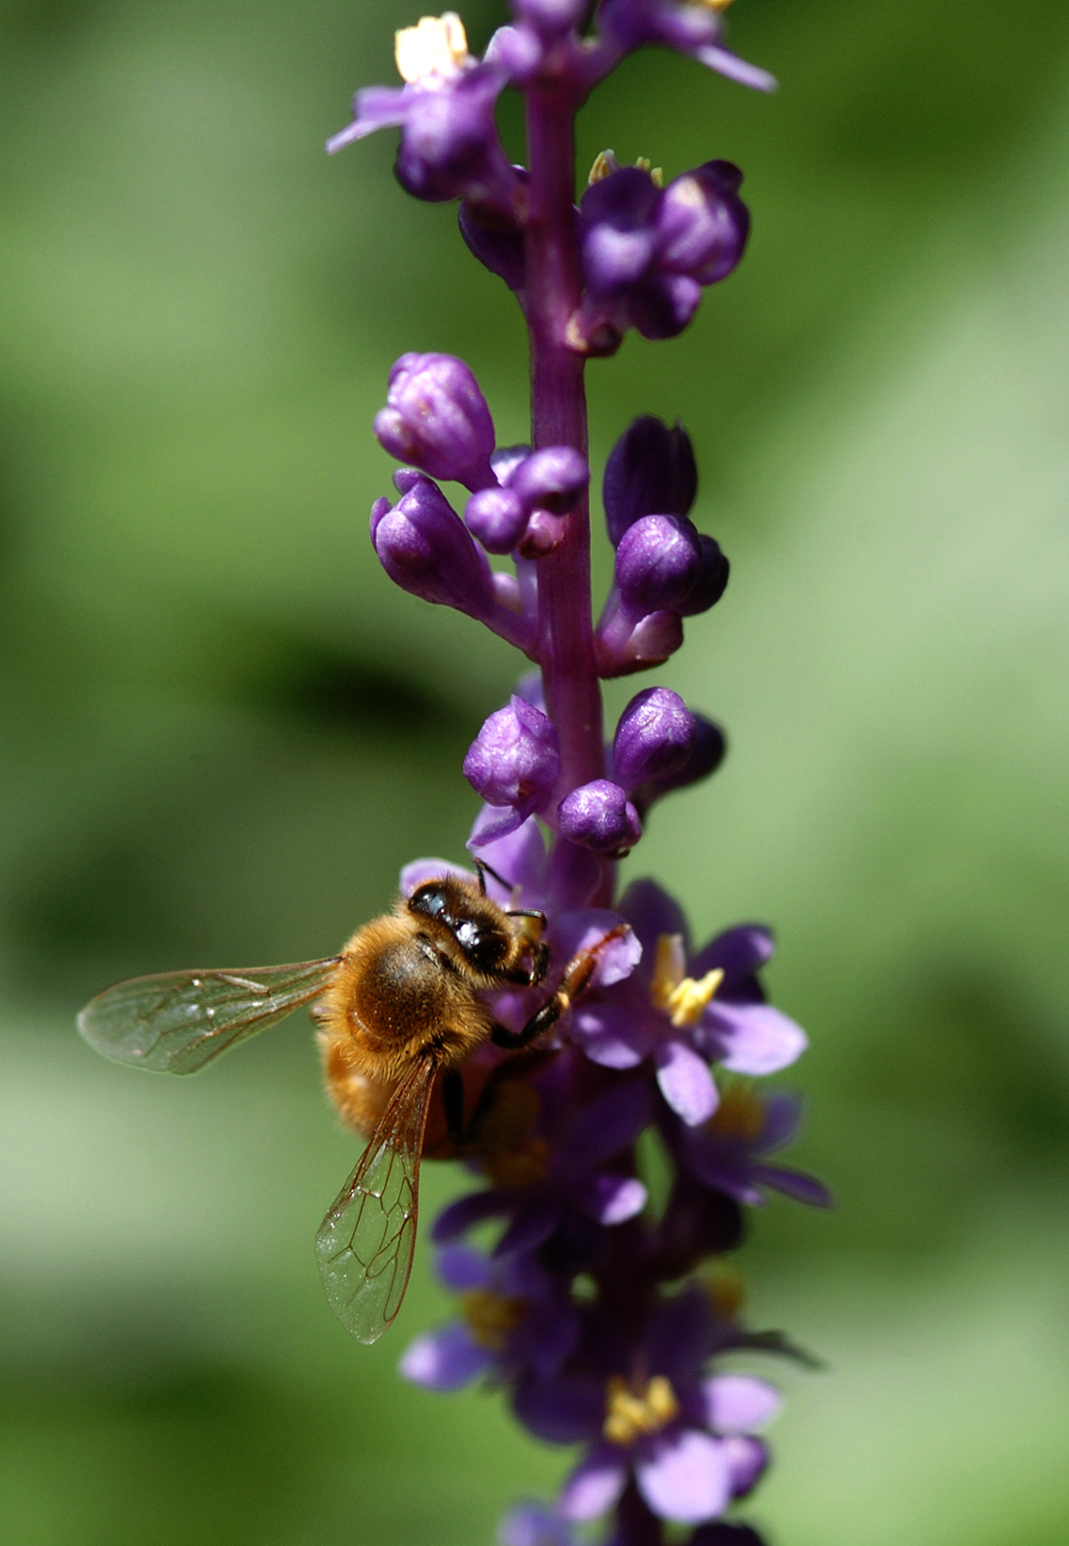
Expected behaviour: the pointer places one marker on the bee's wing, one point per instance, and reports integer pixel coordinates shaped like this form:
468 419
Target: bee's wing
364 1246
176 1022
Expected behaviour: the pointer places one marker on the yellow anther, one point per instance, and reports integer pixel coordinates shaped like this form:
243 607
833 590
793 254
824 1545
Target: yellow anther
656 173
437 46
687 1002
678 995
632 1412
740 1114
605 163
491 1317
715 5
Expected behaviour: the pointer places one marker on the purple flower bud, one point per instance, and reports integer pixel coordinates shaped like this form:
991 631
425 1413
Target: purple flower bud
599 816
650 471
497 518
702 224
550 16
515 759
498 248
551 479
654 738
424 548
625 643
658 561
450 147
436 417
707 752
711 582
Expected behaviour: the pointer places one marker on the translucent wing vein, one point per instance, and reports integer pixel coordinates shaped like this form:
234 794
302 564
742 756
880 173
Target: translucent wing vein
365 1244
178 1021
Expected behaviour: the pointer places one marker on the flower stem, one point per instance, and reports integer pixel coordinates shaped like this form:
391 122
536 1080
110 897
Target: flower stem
558 417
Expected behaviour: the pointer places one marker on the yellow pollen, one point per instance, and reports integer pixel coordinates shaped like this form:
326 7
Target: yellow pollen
681 998
740 1114
491 1317
437 46
518 1167
715 5
632 1413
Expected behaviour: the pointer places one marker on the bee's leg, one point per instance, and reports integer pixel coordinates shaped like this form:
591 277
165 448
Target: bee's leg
573 980
453 1101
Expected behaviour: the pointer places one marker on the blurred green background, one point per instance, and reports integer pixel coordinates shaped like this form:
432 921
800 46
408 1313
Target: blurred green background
224 731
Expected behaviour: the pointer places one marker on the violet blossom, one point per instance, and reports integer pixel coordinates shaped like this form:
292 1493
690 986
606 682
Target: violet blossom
587 1307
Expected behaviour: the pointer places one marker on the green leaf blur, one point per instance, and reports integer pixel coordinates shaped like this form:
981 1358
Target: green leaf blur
224 731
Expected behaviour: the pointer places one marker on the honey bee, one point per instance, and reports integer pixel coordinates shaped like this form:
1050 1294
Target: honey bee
397 1007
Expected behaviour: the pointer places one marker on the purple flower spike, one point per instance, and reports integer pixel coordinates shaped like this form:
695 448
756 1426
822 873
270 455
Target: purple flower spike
514 764
436 418
654 738
599 816
658 562
650 471
424 548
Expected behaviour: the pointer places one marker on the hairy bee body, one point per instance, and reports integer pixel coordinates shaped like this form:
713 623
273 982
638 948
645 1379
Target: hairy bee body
405 992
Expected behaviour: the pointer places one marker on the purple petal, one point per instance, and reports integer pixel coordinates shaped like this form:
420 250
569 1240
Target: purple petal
747 1458
532 1525
681 1336
585 929
739 1403
460 1268
782 1114
444 1360
533 1224
794 1183
724 62
561 1411
608 1124
685 1082
468 1211
652 912
520 859
595 1485
686 1478
754 1038
494 822
610 1199
611 1035
419 870
738 952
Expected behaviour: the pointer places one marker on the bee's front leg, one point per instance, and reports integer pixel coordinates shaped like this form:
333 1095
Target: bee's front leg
573 980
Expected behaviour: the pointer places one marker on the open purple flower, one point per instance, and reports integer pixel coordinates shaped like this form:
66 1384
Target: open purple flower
690 29
558 1178
727 1152
449 142
648 1411
516 1318
687 1014
648 250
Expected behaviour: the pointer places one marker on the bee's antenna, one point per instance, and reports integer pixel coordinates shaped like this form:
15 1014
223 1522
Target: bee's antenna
483 869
